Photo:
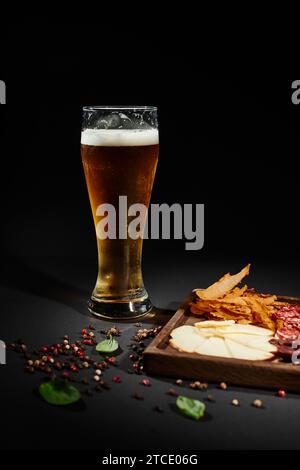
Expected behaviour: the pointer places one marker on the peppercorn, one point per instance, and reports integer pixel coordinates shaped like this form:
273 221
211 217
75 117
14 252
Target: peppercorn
65 375
84 331
112 360
91 327
36 363
257 403
96 378
210 398
146 382
235 402
65 341
30 369
117 379
85 364
158 409
281 393
73 368
179 382
30 363
67 347
44 358
44 349
223 386
138 396
58 365
172 392
98 372
91 334
23 348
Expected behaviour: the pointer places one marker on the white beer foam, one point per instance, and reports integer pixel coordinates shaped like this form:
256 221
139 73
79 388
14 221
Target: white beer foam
119 137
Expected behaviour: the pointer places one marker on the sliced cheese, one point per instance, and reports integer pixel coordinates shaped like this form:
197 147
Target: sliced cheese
252 341
246 329
189 343
213 324
213 347
239 351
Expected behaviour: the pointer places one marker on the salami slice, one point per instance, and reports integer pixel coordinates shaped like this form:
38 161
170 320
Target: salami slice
288 334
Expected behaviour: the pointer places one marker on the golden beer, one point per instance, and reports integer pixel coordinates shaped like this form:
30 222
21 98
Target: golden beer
120 162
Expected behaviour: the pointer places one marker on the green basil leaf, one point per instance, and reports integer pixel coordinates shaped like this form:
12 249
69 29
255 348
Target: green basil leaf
59 392
193 408
107 346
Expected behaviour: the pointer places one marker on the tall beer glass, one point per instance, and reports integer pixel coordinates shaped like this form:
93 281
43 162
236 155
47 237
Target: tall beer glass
119 149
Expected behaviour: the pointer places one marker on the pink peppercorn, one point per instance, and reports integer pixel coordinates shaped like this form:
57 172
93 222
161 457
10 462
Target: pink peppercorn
88 342
281 393
146 382
111 360
117 379
84 331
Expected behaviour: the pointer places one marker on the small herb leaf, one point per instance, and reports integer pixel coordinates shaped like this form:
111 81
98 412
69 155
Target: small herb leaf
59 392
107 346
193 408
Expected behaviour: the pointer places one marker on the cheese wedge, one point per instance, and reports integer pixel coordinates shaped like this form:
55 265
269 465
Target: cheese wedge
245 329
255 342
214 347
214 324
239 351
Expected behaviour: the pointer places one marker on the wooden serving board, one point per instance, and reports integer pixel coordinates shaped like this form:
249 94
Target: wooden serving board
162 359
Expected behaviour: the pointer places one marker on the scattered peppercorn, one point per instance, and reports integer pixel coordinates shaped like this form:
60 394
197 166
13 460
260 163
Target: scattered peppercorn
210 398
257 403
117 379
98 372
138 396
281 393
235 402
223 386
146 382
172 392
84 331
91 327
158 409
179 382
96 378
112 360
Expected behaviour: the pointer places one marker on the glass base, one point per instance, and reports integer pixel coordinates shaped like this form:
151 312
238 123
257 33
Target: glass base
119 310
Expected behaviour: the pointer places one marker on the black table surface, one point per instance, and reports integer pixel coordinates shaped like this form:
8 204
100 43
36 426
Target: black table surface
45 298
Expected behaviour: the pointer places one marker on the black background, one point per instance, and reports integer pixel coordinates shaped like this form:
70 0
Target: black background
229 139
